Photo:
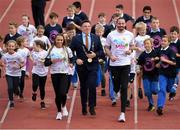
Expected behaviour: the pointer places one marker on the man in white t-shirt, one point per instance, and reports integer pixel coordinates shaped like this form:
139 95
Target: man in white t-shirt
117 47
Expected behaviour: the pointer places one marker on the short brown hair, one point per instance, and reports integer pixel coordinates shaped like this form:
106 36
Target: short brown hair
19 40
85 21
174 29
102 14
154 18
70 26
115 15
53 15
166 36
149 39
13 24
39 43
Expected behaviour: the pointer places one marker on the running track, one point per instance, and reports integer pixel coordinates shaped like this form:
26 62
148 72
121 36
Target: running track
27 115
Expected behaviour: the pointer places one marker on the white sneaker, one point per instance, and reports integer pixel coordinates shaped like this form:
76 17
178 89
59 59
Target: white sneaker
68 97
117 95
122 117
64 111
59 116
75 85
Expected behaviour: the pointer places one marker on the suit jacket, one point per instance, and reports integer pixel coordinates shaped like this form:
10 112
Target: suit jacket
78 46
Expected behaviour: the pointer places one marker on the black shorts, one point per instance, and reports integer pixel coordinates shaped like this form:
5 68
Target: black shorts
131 77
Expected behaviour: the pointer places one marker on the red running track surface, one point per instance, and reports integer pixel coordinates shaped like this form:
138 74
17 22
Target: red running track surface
28 115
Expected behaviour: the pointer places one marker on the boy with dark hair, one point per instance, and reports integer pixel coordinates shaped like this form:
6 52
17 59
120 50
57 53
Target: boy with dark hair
53 28
120 11
146 17
102 21
78 12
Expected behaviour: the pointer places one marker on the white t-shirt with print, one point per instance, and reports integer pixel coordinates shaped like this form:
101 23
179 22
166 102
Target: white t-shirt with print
28 32
24 52
44 39
61 54
139 42
12 63
38 66
119 43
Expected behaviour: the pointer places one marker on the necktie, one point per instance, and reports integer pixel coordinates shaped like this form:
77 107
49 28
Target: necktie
87 41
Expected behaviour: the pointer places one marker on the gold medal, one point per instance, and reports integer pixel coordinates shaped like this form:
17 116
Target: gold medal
89 60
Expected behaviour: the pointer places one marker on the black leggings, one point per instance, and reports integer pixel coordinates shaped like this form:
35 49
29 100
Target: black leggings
12 82
39 81
60 84
103 80
21 83
69 83
120 81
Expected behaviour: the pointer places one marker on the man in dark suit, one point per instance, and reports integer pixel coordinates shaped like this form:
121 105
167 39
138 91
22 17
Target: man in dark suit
88 50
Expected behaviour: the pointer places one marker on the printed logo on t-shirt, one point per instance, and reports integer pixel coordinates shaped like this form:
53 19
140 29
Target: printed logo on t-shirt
163 64
57 54
52 36
148 26
174 49
149 64
12 64
120 43
157 41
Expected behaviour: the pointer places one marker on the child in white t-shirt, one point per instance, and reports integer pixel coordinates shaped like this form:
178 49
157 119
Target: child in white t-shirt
27 30
24 53
139 48
42 37
13 63
39 71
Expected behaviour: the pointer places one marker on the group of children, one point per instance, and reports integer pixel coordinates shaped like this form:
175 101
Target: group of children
155 57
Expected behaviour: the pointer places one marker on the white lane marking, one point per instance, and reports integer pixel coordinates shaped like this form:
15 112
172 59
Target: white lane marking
91 9
49 10
176 12
5 113
71 108
7 10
